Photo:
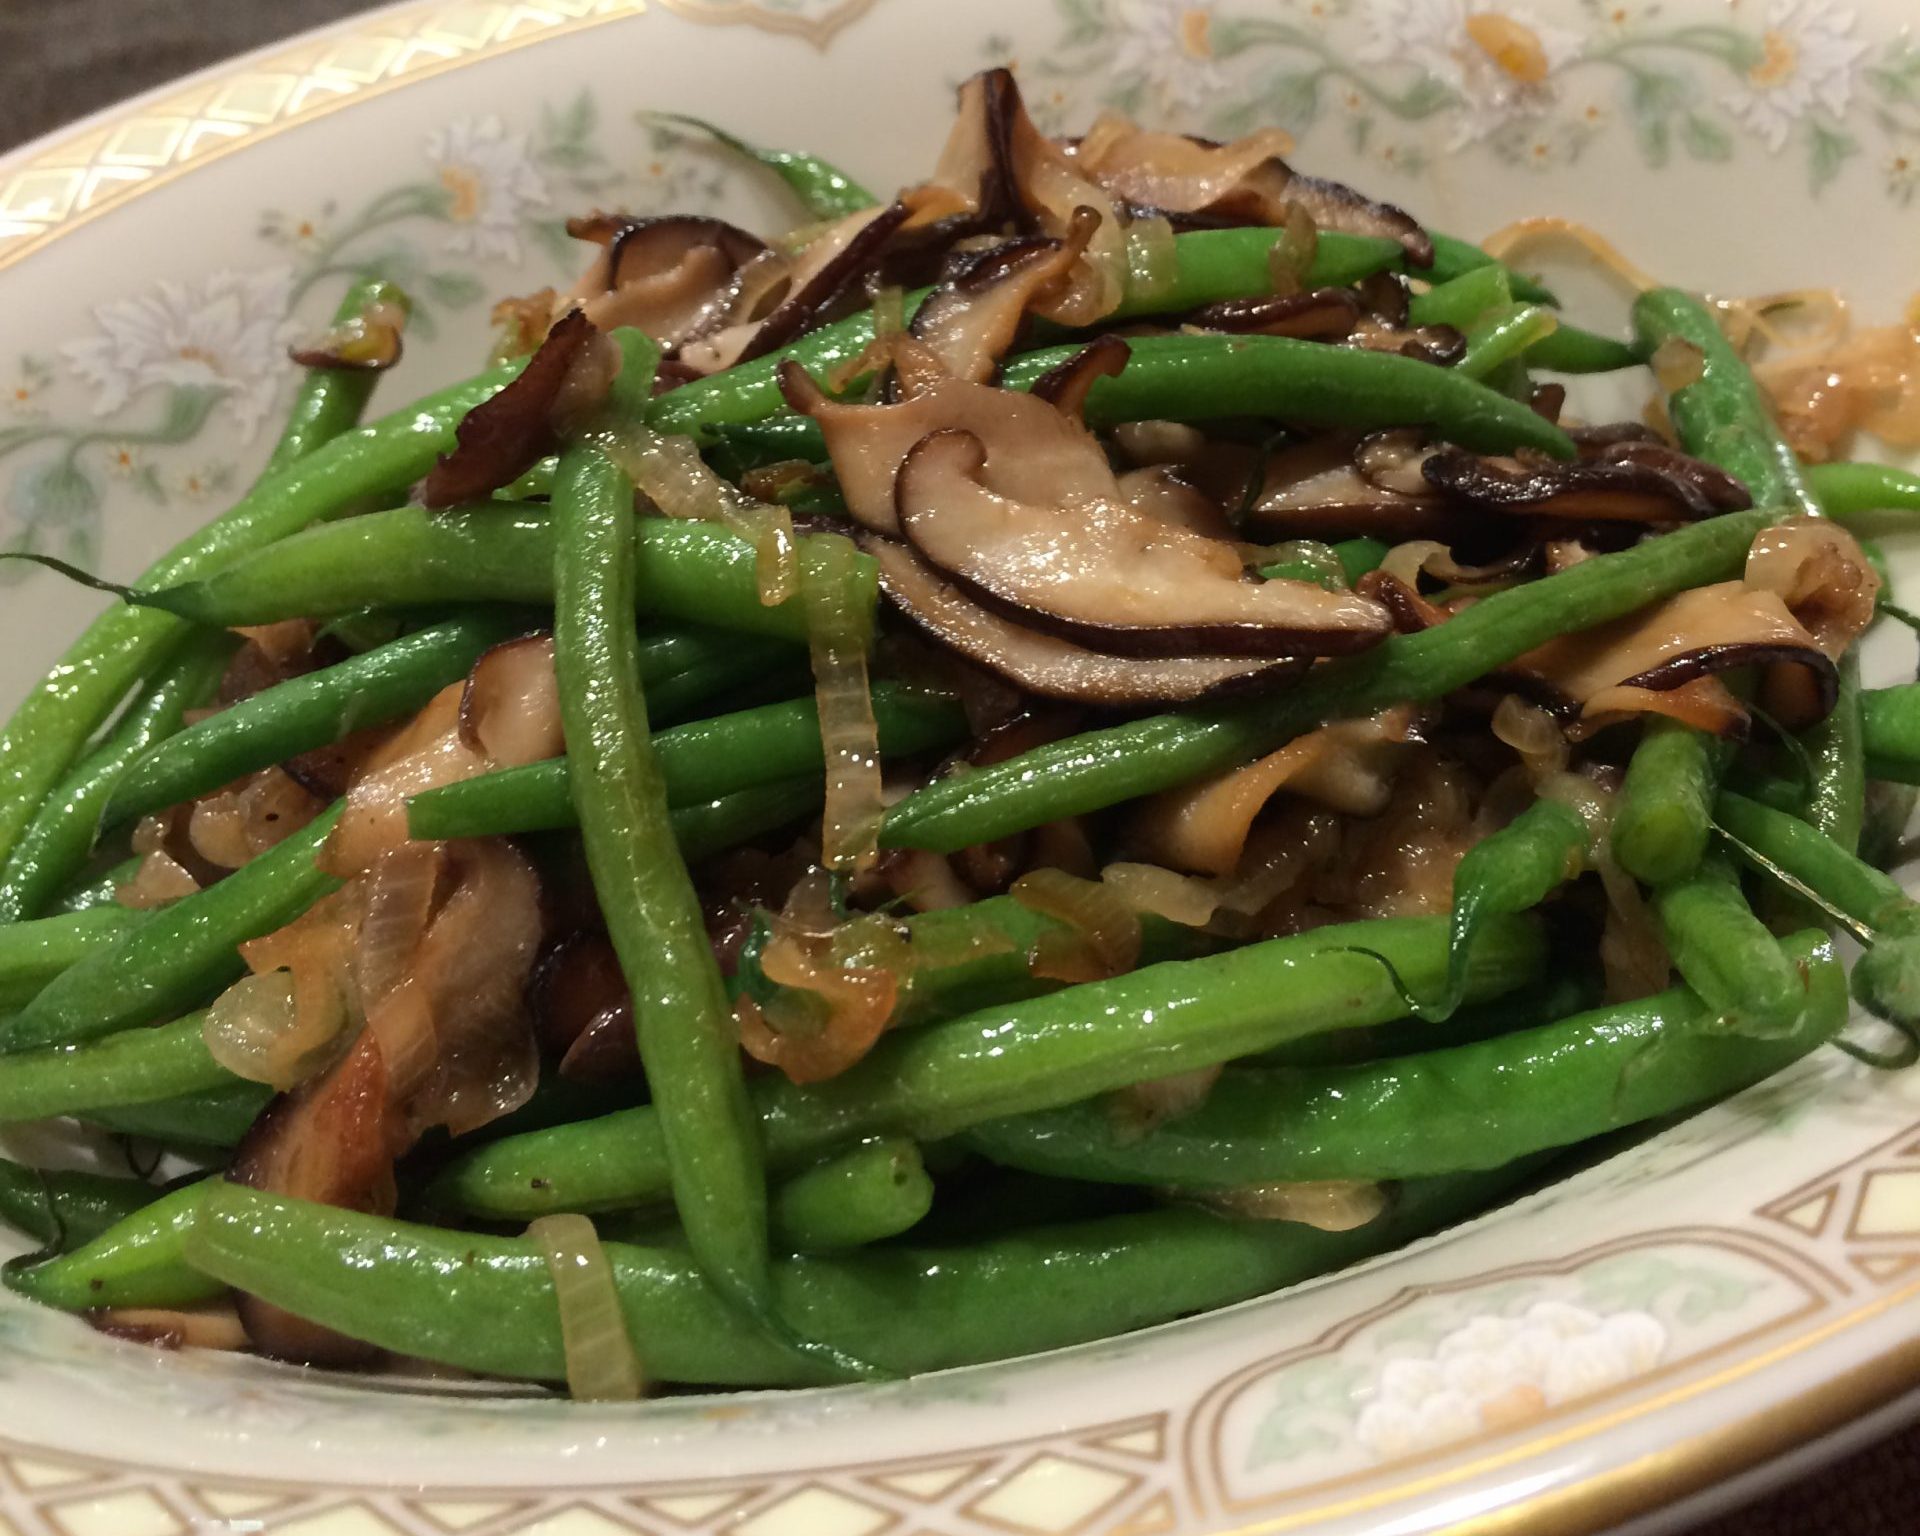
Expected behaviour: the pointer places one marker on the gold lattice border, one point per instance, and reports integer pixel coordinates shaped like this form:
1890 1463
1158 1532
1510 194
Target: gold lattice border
53 190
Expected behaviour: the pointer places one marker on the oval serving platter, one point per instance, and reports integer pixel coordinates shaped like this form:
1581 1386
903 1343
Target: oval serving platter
1728 1291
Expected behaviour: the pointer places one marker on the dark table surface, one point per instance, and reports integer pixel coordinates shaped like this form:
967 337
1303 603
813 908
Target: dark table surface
64 58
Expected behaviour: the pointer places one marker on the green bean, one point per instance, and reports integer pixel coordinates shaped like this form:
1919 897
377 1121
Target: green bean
1514 870
136 1066
1890 719
1569 349
1505 336
212 1117
63 1207
1837 796
1886 979
1722 417
487 1304
1464 1108
1663 815
688 1042
61 836
1204 378
700 760
411 557
179 955
726 821
1209 266
138 1262
1100 768
33 953
931 1082
978 955
1453 257
1778 842
103 890
867 1194
330 401
1461 300
306 712
824 190
864 1195
1851 490
48 731
1725 954
697 689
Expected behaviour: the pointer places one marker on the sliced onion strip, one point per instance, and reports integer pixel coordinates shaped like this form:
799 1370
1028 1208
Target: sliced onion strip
602 1364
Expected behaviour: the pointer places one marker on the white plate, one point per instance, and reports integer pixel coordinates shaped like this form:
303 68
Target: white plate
1722 1294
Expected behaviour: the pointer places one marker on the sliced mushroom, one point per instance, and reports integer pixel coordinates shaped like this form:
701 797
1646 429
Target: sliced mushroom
834 263
971 186
1165 496
1108 575
1045 664
1641 662
675 278
1330 487
510 709
1039 455
1348 766
1244 182
1641 485
1320 314
971 320
1065 386
504 436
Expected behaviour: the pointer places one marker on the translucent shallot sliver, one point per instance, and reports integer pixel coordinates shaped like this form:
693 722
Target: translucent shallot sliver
161 878
1105 940
669 472
839 637
1142 1107
602 1364
1331 1205
1163 892
255 1030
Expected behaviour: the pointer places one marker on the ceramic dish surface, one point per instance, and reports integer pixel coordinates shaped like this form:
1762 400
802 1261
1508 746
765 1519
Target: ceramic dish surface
1710 1299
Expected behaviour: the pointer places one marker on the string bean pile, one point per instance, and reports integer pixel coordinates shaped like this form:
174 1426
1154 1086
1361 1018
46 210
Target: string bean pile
1069 747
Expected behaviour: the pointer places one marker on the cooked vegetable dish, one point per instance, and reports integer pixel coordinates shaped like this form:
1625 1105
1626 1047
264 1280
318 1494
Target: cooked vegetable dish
1020 761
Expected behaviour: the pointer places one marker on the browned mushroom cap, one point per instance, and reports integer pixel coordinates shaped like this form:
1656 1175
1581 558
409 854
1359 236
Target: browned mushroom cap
1046 664
831 265
973 318
1637 483
1065 385
1107 574
332 1141
1655 660
971 186
501 438
1335 487
675 277
510 709
1161 493
1039 455
1245 182
1322 314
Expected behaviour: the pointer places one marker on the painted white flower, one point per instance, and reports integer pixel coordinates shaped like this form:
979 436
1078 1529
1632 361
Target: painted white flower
228 331
1167 43
1495 1373
1808 59
490 180
1496 58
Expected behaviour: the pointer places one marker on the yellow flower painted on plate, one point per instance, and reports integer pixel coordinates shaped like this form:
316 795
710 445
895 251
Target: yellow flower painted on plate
1512 45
